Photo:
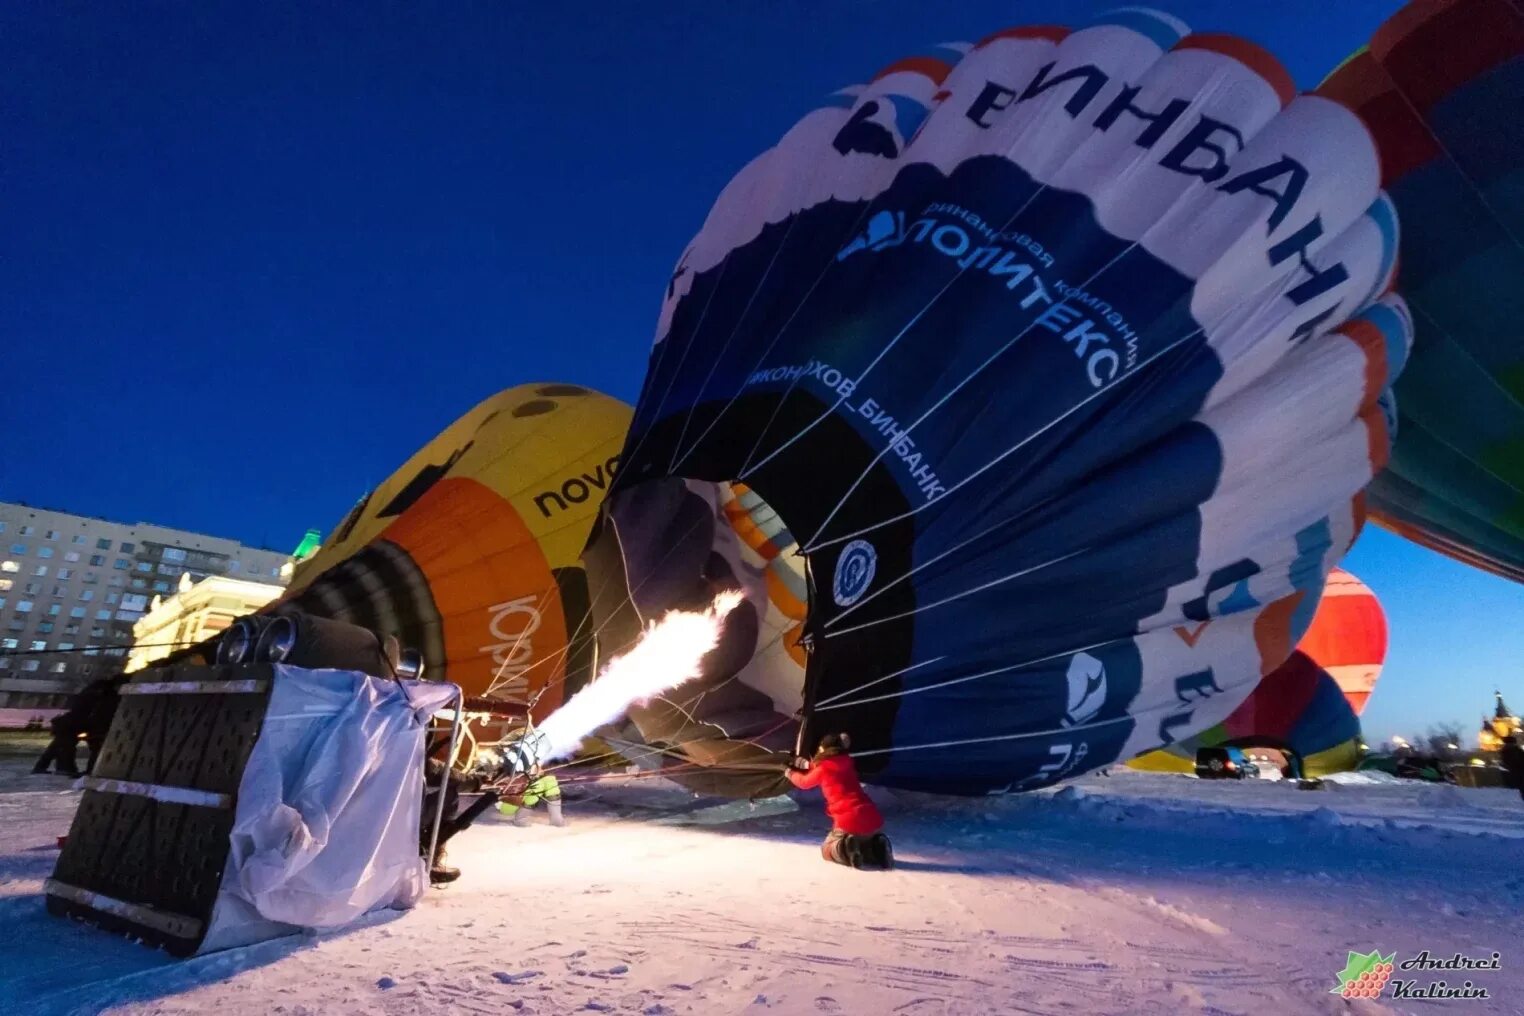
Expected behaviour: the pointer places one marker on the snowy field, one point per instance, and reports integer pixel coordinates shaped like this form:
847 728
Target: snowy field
1129 894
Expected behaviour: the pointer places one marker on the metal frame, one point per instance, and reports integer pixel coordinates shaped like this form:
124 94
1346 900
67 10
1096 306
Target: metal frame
444 773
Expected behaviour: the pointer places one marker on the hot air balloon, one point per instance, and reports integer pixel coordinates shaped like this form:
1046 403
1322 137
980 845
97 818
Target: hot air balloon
1440 88
469 551
1057 362
1308 706
1348 637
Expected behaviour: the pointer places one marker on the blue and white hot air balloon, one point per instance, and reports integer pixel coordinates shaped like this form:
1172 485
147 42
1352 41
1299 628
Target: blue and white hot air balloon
1057 363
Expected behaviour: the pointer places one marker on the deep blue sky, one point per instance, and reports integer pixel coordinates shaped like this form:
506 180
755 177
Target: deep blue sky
252 255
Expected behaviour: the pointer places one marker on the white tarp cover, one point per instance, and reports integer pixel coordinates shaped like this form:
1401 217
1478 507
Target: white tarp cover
327 819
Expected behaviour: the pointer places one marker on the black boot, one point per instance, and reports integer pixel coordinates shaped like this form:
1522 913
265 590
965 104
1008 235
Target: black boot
882 851
442 873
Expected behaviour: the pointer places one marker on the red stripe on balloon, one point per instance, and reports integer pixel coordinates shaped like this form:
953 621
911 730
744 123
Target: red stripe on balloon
1256 58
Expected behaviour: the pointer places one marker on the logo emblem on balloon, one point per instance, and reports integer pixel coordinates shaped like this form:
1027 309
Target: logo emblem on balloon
882 227
854 572
1087 688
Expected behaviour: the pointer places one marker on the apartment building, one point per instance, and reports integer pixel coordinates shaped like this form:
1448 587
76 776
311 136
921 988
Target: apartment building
72 587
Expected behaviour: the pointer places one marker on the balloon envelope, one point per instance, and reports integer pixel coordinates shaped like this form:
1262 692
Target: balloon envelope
1054 367
469 551
1440 88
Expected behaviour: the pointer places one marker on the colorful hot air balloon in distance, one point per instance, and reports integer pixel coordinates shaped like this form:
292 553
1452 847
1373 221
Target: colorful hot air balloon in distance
1441 87
1309 705
469 551
1053 366
1348 637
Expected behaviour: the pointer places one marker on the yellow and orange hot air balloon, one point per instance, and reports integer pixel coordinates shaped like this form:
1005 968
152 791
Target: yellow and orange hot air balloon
469 552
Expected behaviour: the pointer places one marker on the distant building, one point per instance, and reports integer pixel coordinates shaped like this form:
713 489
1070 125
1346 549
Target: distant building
1498 726
196 612
72 587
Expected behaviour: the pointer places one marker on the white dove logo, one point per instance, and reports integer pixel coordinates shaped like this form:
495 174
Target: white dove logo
1087 688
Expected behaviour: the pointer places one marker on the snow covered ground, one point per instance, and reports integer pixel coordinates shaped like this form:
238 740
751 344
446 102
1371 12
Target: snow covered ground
1129 894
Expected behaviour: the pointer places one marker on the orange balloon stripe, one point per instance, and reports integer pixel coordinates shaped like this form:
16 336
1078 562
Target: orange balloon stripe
494 606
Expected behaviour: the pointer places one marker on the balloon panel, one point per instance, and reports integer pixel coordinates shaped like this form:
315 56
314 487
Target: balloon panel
1439 89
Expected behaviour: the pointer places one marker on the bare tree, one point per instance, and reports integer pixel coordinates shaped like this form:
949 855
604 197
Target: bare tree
1445 741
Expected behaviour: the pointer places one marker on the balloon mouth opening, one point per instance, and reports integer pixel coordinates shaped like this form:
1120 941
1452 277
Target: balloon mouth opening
672 543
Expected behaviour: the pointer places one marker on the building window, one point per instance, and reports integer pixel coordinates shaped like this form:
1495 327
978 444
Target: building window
28 530
51 534
24 607
9 566
58 668
78 539
72 556
18 548
144 566
161 587
121 564
113 597
170 569
60 591
139 584
97 632
33 588
8 643
45 628
5 584
2 602
5 661
117 651
102 544
38 645
118 580
127 548
89 594
30 664
96 560
103 615
64 647
17 624
64 573
54 609
2 527
44 551
71 629
90 578
173 554
76 612
41 569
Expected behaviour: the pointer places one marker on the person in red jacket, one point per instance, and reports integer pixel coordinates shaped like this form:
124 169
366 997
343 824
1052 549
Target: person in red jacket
856 837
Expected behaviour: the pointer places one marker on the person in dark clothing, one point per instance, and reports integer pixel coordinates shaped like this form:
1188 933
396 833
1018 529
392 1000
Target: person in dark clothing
1512 758
97 723
857 829
454 819
85 710
60 752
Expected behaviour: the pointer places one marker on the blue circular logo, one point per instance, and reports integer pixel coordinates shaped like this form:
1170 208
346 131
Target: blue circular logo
854 572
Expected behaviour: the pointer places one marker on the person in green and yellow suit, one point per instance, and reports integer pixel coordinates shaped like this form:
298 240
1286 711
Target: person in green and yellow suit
540 786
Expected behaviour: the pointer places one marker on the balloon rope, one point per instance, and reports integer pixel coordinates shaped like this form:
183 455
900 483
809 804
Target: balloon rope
814 546
968 379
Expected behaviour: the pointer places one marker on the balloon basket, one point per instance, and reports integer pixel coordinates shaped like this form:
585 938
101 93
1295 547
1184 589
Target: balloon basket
145 854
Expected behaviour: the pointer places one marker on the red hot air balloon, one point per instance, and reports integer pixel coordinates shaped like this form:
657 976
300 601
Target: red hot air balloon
1348 636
